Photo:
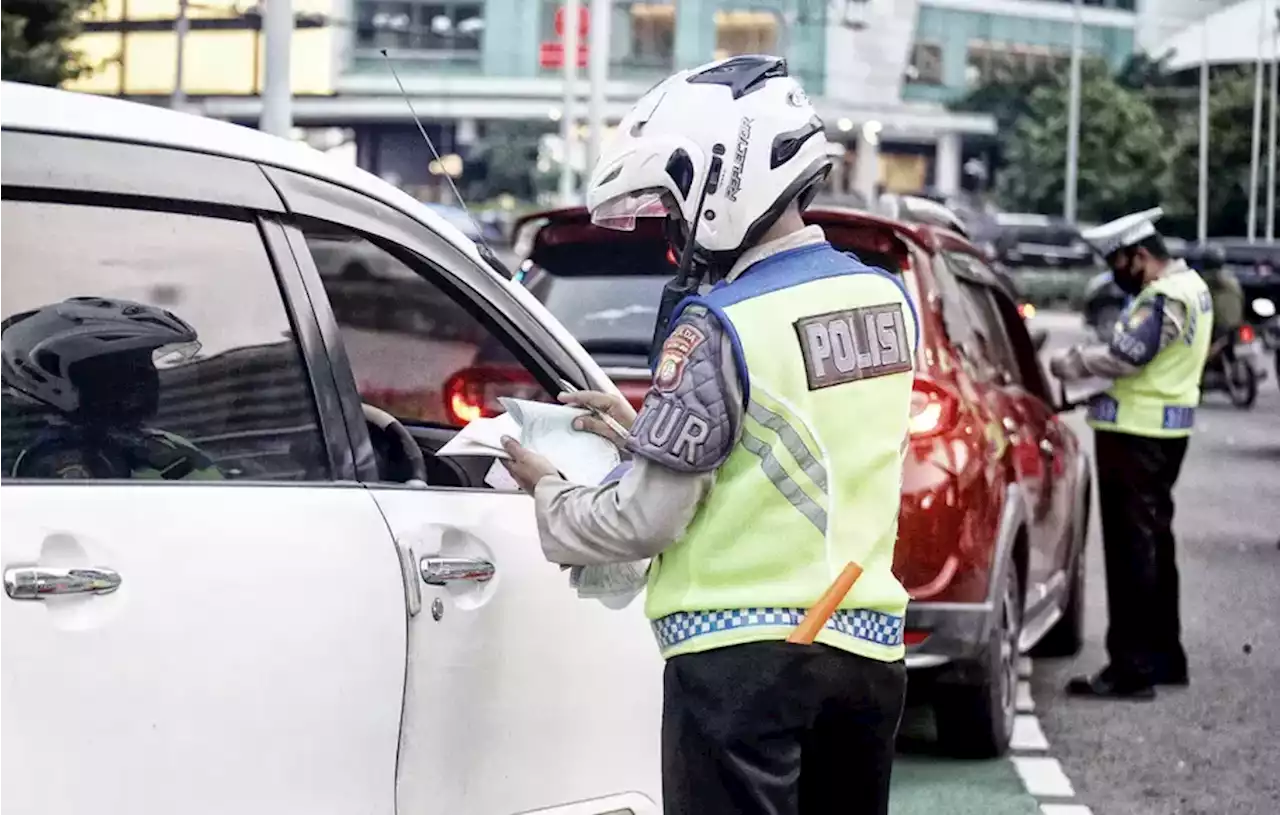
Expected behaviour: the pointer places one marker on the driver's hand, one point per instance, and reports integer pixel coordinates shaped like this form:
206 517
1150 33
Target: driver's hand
526 466
612 405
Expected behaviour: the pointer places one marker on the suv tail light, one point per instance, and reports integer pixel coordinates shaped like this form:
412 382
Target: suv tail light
934 410
472 393
1247 334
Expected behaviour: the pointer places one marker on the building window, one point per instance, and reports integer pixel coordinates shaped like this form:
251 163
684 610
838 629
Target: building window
925 67
438 29
989 62
745 32
643 35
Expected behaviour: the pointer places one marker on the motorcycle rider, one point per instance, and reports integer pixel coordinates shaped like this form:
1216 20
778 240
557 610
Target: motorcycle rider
92 360
1142 424
1228 301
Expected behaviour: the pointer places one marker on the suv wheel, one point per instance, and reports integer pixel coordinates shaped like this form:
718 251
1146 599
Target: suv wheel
975 708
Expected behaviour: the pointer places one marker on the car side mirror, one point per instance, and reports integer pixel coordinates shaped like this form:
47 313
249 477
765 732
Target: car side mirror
1038 338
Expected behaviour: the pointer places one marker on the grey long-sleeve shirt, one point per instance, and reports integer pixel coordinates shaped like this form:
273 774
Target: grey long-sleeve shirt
1145 332
650 507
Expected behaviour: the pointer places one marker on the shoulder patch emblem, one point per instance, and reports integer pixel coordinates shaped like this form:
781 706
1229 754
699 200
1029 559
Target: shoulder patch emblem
860 343
675 356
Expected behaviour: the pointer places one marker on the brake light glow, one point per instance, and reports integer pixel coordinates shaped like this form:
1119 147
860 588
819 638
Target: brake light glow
910 637
933 410
473 393
1247 334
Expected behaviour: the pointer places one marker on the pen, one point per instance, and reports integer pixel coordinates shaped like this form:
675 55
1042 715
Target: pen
613 423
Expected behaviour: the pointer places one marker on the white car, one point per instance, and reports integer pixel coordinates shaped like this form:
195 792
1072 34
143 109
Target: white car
339 622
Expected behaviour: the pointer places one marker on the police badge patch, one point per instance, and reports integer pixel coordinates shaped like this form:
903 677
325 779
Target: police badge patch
675 356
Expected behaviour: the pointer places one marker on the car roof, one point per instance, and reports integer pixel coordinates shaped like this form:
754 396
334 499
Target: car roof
48 110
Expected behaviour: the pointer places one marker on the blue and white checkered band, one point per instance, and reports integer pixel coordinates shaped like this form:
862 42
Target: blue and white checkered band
871 626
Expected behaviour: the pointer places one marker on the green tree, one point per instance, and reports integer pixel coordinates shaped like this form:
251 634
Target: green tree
37 36
504 162
1230 140
1122 151
1007 101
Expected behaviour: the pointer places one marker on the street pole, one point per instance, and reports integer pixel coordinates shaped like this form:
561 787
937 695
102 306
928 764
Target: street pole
1073 119
1255 149
178 99
277 90
1271 136
598 76
569 116
1202 207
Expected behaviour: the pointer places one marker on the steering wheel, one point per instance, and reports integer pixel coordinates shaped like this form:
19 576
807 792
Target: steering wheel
409 448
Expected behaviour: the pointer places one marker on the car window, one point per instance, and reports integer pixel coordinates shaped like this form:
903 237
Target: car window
996 349
958 316
604 313
416 351
142 344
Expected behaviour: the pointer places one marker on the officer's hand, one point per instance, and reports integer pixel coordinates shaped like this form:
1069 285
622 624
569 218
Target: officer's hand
1058 366
526 466
614 406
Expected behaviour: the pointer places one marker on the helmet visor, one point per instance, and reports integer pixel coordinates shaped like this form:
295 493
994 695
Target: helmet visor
174 354
621 213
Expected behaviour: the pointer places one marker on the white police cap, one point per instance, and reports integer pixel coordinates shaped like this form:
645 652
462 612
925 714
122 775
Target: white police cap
1122 232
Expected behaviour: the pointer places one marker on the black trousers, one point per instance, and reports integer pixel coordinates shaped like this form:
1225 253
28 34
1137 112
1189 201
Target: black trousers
1135 490
772 728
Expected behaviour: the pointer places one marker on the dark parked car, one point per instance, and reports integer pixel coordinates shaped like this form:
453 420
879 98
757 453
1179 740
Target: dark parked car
996 491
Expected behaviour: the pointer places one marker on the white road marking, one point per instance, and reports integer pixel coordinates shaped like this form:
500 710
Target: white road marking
1065 809
1027 734
1025 703
1024 667
1043 777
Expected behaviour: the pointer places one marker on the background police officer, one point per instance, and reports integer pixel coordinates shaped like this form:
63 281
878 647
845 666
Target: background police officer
767 456
1142 423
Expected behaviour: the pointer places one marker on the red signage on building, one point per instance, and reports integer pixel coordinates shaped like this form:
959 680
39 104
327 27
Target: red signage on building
584 22
551 55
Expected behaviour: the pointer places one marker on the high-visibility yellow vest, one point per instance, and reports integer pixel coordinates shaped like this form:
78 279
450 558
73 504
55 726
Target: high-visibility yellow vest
825 349
1160 400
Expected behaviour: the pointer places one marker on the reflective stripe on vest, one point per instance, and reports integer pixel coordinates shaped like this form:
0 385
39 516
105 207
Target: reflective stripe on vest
1160 400
806 489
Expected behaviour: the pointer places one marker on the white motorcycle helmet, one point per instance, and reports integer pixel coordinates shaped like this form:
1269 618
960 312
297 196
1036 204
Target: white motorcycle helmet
740 129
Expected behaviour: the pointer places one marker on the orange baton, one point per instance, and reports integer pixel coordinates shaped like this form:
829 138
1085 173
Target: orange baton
816 618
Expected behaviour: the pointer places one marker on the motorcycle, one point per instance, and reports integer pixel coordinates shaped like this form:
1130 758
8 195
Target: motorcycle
1240 376
1269 329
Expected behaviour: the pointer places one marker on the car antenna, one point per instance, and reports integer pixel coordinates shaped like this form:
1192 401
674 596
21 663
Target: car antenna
486 251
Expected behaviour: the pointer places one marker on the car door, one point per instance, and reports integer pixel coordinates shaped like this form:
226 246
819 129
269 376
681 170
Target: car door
198 646
1035 435
519 696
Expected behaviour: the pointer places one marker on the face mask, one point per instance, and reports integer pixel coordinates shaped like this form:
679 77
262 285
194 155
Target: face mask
1130 277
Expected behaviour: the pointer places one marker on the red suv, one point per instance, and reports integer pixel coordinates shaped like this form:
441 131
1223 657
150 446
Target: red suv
996 489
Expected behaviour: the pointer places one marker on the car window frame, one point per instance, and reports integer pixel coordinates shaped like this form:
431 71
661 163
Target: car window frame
446 276
314 358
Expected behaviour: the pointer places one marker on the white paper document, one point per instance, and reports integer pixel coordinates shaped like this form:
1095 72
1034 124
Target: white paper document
1080 391
583 458
546 429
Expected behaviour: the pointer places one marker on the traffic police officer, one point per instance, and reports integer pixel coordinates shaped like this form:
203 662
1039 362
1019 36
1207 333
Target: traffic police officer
1156 356
767 456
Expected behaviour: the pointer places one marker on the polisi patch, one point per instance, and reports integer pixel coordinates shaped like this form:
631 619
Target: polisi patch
860 343
675 356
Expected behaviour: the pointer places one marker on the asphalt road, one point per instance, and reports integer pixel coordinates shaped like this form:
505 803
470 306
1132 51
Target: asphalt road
1211 748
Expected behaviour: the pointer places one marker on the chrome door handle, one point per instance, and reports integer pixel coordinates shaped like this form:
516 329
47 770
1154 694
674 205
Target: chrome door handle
37 582
441 571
